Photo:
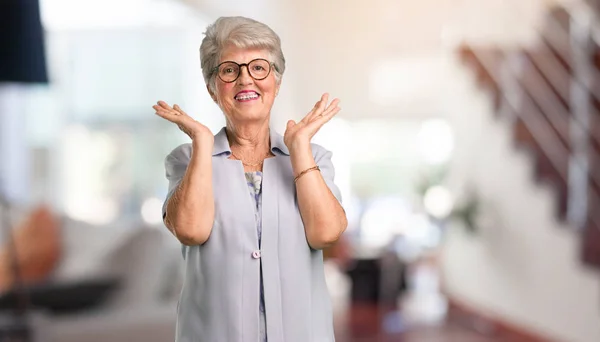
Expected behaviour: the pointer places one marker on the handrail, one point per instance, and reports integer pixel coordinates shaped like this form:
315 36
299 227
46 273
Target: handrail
554 110
572 45
551 68
581 8
555 42
543 96
541 130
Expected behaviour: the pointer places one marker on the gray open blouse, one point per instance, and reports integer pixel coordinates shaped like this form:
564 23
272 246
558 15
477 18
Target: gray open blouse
255 243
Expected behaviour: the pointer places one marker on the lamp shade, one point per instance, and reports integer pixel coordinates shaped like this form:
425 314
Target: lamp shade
22 52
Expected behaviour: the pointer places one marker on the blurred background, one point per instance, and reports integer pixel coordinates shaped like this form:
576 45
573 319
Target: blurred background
467 152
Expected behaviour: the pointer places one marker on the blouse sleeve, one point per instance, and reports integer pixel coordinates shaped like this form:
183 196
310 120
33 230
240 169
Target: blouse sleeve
176 163
323 160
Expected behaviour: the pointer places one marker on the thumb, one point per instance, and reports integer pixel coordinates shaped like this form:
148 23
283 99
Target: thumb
290 124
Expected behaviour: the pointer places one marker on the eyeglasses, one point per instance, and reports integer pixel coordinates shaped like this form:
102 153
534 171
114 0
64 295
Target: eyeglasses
258 69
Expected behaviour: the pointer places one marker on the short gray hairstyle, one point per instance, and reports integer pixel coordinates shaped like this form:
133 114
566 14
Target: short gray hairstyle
243 33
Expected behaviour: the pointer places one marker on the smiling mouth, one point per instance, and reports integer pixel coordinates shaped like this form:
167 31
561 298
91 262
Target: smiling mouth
246 96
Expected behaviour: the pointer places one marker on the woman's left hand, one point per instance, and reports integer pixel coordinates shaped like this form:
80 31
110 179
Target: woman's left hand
300 134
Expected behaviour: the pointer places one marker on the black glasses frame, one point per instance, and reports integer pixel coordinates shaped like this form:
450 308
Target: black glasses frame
216 69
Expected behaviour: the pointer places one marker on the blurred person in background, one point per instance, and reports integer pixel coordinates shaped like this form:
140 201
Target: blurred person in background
253 209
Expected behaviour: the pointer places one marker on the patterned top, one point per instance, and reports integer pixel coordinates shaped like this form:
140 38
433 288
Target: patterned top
254 180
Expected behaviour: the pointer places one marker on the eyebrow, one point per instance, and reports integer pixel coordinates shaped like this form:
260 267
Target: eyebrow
230 60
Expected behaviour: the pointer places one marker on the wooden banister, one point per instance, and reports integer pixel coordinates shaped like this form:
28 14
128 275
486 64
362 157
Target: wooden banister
552 92
540 129
559 40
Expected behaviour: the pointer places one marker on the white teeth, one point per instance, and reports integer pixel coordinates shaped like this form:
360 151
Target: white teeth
247 96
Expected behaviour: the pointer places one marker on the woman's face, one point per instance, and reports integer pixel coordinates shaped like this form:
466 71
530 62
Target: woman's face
245 99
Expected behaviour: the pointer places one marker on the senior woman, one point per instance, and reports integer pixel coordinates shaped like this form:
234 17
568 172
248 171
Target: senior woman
253 209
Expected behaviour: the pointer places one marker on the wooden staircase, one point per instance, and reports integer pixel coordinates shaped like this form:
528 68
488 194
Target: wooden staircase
550 92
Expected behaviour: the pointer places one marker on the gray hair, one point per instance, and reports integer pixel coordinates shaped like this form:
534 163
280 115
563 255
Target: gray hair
242 33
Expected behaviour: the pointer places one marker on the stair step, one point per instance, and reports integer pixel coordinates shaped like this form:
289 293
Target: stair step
545 113
591 245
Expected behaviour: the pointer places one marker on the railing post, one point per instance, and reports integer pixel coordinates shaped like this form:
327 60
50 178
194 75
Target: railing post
512 64
579 124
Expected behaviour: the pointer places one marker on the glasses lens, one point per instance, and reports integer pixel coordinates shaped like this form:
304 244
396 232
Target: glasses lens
259 69
229 71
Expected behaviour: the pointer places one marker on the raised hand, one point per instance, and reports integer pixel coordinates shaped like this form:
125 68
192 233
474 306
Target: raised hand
300 134
186 123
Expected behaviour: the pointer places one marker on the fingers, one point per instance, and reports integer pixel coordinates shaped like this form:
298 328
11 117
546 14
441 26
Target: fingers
329 115
165 111
332 106
310 115
320 107
179 110
290 124
165 108
163 104
322 103
162 113
326 115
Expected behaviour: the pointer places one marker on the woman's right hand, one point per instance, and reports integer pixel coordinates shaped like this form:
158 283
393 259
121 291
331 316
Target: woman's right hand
194 129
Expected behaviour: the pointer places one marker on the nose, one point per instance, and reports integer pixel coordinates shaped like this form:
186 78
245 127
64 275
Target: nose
244 77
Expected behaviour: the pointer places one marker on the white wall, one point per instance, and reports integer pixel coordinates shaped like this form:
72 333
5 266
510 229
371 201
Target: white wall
337 45
523 266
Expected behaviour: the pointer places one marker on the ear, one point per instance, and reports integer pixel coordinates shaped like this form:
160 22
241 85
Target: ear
212 95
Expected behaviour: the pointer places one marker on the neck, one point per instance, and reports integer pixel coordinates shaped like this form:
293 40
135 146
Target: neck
250 138
249 143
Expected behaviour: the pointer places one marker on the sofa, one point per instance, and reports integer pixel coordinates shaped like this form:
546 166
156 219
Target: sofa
145 264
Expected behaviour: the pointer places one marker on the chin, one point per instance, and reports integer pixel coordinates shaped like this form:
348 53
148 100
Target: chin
253 113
